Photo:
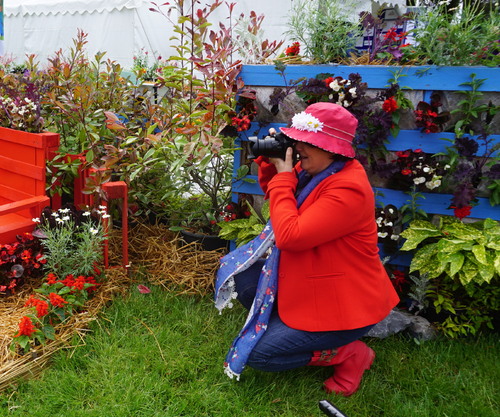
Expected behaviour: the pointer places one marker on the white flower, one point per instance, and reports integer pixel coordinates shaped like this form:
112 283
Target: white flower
65 218
35 220
419 180
382 235
105 216
94 231
352 92
447 166
59 220
426 169
86 213
306 122
64 210
388 223
394 237
334 85
434 183
391 210
55 214
347 103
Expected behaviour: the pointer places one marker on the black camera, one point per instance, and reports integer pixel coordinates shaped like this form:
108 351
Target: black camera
272 146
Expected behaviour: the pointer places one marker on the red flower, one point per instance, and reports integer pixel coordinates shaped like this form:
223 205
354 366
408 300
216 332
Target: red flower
51 278
26 327
462 211
69 281
403 154
293 50
328 81
56 300
26 255
398 280
79 283
390 105
406 172
42 308
392 34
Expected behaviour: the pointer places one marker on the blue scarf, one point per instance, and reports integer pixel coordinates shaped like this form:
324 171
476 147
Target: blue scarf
242 258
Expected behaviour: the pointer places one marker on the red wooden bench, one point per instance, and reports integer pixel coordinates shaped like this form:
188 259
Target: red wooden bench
23 159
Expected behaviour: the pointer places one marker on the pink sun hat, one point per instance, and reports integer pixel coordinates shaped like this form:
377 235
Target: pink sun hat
325 125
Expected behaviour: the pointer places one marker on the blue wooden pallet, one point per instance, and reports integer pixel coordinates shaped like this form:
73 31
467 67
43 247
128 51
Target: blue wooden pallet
427 79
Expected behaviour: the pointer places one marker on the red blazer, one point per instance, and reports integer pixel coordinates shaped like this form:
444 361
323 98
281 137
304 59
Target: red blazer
330 273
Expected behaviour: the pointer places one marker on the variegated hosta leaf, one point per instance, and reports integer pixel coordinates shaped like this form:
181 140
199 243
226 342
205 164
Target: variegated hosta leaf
453 245
462 231
479 252
496 263
456 261
491 228
425 261
418 231
468 272
486 272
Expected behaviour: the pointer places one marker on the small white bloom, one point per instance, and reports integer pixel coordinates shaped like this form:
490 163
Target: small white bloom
382 234
330 96
102 207
86 213
59 220
391 210
347 103
435 183
55 214
65 218
36 220
386 223
94 231
394 237
352 92
447 166
105 216
419 180
334 85
426 169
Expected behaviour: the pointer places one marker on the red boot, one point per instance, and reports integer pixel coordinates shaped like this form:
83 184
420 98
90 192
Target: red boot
349 361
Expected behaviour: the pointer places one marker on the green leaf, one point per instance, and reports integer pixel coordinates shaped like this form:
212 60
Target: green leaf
89 156
456 261
418 231
479 252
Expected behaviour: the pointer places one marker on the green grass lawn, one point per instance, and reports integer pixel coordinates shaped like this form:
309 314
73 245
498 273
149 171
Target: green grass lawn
159 354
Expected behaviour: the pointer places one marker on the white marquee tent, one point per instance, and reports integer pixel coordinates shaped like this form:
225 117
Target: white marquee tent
121 28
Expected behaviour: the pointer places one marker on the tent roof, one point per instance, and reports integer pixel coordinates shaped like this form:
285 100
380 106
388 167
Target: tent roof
46 7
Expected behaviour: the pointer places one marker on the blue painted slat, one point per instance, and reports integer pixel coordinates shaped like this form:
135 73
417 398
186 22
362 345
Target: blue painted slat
431 203
407 139
417 78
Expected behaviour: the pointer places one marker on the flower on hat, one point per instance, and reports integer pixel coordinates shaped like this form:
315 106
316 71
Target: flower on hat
307 122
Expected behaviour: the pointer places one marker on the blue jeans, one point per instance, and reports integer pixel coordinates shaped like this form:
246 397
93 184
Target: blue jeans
281 347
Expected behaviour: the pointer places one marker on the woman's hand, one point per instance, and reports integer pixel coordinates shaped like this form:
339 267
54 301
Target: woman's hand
286 165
